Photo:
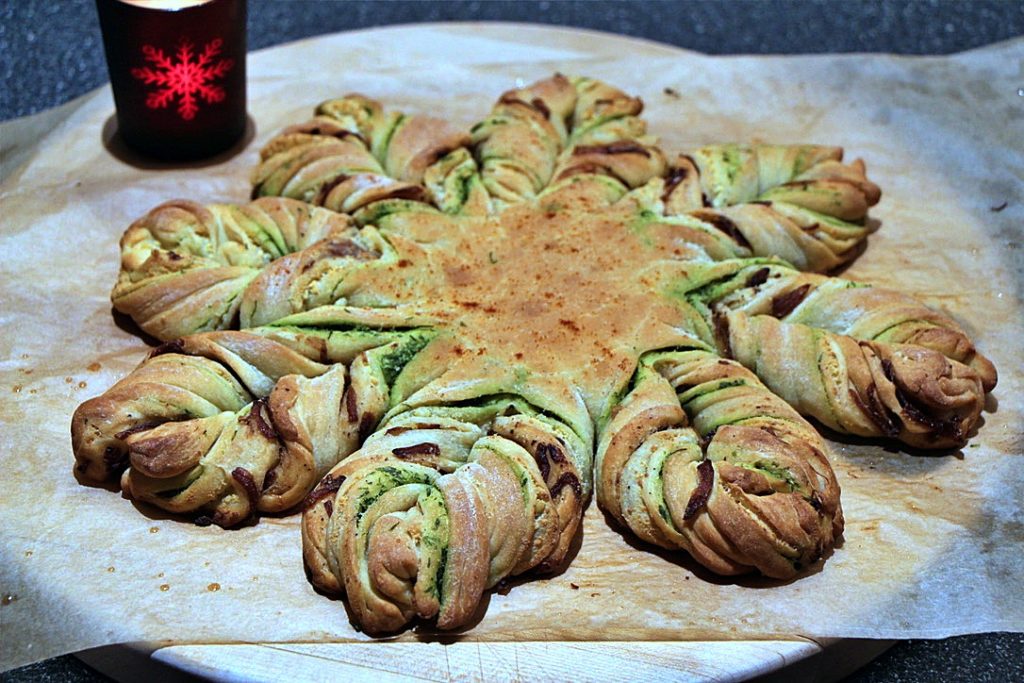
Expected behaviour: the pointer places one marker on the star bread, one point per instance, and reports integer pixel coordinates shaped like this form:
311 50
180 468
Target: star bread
439 344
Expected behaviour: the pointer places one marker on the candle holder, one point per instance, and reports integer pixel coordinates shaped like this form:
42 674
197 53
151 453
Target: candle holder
177 69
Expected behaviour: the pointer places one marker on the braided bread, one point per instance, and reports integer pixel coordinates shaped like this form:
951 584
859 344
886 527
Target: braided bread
437 323
700 456
559 128
441 503
843 307
867 388
351 154
222 425
187 268
797 202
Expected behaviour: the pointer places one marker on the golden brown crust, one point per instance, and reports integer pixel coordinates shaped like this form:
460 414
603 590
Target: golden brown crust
771 287
478 494
911 393
352 154
798 202
467 551
225 424
746 487
561 477
187 268
486 300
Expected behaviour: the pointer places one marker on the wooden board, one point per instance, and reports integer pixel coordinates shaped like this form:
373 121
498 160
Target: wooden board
494 661
859 598
556 662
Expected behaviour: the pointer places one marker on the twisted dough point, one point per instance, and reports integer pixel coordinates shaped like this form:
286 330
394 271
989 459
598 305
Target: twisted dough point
187 268
559 128
799 202
768 287
355 158
225 424
762 496
810 176
867 388
353 154
441 504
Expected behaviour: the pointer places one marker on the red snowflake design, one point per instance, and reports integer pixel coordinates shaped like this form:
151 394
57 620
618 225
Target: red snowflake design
188 79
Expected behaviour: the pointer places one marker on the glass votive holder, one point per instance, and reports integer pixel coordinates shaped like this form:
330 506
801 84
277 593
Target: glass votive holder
177 69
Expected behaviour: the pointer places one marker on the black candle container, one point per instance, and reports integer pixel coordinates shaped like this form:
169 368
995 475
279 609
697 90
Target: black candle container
177 69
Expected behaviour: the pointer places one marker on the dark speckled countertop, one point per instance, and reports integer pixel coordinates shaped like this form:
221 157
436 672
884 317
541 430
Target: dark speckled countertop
50 52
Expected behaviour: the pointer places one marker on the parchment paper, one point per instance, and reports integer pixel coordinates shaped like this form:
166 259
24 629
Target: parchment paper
933 542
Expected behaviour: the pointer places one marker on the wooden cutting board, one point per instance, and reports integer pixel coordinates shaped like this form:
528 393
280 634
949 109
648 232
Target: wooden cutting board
828 659
410 66
804 660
